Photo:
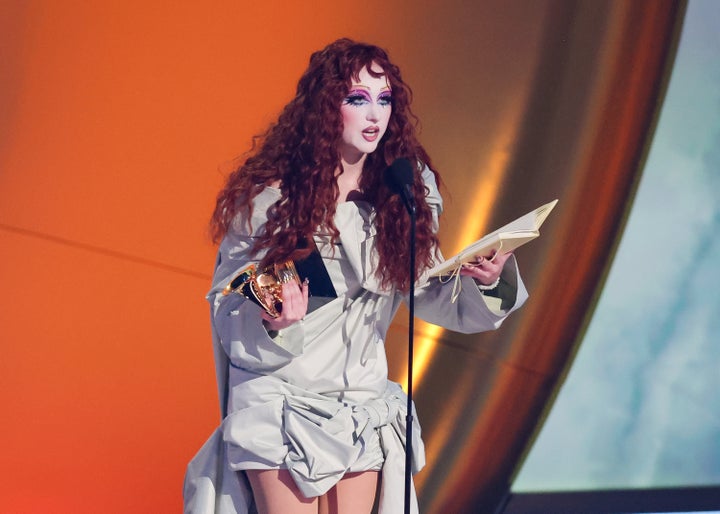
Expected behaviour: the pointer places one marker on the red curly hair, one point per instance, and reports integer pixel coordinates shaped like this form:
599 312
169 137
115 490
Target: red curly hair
301 152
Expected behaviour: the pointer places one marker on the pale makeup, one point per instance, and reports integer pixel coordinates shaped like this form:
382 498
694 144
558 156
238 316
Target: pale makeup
365 112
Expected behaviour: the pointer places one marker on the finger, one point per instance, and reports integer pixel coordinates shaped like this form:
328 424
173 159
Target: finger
296 296
485 274
290 291
469 272
475 272
306 290
290 297
496 264
476 263
502 258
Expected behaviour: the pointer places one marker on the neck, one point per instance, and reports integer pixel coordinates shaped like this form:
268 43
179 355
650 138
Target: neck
348 177
352 166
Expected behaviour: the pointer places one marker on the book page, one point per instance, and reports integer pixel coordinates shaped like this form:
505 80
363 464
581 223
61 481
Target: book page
505 239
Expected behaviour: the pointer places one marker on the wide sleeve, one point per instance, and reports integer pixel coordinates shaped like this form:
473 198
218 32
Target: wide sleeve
461 306
248 345
458 304
237 322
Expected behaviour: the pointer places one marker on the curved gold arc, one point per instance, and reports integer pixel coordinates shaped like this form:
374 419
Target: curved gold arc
584 129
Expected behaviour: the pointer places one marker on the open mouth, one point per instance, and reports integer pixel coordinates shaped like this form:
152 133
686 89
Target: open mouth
371 134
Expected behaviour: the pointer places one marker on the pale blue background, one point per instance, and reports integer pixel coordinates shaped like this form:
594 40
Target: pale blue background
641 404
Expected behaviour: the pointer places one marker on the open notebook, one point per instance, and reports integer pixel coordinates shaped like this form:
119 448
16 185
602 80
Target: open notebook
505 239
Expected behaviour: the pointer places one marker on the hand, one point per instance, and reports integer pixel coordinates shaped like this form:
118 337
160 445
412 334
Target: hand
294 306
486 270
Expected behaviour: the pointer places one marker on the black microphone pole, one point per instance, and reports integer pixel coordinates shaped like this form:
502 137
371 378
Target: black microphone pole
399 178
411 332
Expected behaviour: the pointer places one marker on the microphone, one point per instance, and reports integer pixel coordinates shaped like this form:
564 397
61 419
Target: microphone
399 178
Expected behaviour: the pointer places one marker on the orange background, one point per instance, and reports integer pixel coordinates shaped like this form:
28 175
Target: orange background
118 121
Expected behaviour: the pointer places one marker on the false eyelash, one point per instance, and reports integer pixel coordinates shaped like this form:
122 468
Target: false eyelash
355 99
385 99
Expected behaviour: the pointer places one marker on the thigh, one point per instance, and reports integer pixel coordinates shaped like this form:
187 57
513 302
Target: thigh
275 492
354 494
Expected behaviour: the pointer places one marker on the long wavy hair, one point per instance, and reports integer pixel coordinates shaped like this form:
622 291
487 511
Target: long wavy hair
300 151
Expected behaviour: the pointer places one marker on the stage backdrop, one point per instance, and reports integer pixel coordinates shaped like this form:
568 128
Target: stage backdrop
638 408
118 122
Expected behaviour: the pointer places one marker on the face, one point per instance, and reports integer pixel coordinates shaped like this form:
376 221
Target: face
365 112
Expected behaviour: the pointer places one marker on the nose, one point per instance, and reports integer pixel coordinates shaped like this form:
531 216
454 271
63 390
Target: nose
373 113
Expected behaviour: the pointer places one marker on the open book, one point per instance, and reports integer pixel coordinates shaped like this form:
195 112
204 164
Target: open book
505 239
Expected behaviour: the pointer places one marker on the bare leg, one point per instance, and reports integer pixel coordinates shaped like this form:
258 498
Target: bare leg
275 492
354 494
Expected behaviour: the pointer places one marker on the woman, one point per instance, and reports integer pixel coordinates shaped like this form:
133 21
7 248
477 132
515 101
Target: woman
310 421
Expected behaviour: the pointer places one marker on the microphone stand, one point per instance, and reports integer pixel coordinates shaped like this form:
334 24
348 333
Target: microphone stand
399 178
411 331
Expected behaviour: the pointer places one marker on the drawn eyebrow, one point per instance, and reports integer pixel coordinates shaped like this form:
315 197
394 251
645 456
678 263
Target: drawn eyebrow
361 86
359 92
